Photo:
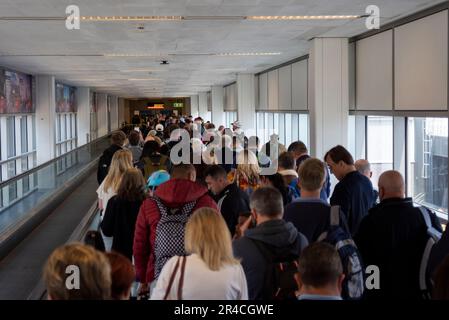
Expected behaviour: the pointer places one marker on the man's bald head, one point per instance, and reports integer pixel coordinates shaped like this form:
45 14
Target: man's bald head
391 185
364 167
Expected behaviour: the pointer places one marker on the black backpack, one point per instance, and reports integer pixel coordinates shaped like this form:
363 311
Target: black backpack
351 260
279 280
433 237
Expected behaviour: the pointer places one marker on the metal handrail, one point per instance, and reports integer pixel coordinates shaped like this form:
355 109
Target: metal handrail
48 163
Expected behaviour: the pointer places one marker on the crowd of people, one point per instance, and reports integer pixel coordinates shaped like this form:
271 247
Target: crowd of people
224 228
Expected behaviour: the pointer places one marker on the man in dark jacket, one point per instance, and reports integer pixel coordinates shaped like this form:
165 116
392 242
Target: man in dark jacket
354 192
393 236
271 231
117 140
231 200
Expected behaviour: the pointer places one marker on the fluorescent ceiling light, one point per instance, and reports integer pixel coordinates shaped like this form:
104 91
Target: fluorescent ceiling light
248 54
144 79
141 70
130 18
129 55
323 17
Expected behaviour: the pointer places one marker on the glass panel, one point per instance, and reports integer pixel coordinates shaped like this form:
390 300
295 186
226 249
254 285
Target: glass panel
351 135
304 128
58 127
25 180
12 186
11 136
34 132
427 162
380 145
276 126
24 134
295 129
282 129
288 129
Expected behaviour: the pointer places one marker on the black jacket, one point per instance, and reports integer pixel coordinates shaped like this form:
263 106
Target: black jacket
105 162
119 222
355 196
392 236
281 237
231 202
311 217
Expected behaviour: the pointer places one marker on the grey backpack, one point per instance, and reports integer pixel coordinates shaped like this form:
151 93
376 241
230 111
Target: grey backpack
170 233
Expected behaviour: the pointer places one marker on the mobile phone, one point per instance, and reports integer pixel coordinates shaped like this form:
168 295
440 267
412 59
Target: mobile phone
137 129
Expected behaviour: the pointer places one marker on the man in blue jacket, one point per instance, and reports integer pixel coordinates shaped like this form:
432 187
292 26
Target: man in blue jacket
354 191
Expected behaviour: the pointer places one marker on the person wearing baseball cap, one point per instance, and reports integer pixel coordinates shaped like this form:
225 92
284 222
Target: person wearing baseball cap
238 132
160 130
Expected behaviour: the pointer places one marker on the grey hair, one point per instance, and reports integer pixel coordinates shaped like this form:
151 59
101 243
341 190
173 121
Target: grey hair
267 202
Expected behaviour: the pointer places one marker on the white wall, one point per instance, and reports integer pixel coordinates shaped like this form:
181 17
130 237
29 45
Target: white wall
45 118
217 105
83 114
102 114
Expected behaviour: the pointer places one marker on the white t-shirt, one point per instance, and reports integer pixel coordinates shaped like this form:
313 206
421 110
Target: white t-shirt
200 283
104 195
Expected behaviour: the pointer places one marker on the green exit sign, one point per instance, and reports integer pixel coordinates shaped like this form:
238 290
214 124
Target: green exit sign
178 105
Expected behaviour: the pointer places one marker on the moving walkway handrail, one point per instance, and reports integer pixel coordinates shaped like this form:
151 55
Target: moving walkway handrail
50 162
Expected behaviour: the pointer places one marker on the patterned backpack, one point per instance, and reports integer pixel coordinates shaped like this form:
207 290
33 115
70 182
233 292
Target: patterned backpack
170 233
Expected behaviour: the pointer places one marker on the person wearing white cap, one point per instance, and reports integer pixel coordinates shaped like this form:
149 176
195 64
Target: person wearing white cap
160 130
237 128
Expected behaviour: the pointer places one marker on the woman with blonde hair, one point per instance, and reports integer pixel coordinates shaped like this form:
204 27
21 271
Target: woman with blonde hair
121 161
246 176
93 271
210 272
121 213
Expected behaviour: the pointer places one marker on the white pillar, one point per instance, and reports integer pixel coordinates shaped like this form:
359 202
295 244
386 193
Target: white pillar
83 115
202 104
217 105
102 114
194 106
328 94
45 118
246 101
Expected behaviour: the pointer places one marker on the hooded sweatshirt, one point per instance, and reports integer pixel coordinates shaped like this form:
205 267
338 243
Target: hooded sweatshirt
280 236
174 194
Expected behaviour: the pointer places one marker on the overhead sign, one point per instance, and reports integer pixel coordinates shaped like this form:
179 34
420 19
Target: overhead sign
178 105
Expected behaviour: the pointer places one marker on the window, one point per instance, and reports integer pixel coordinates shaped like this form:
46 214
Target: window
230 116
11 136
351 135
24 134
380 145
427 165
289 126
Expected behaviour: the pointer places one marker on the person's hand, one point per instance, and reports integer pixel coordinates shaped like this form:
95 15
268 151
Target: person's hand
240 230
144 292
